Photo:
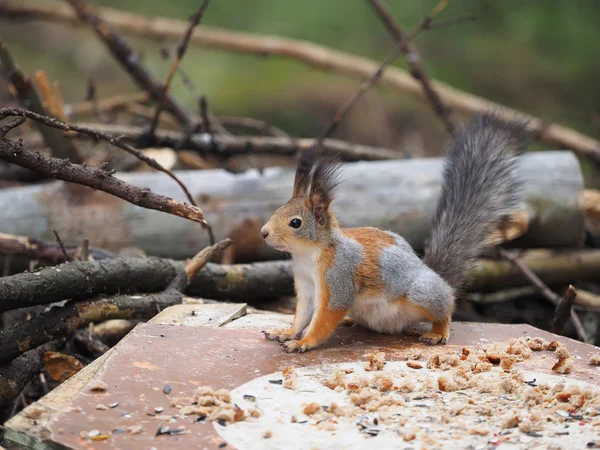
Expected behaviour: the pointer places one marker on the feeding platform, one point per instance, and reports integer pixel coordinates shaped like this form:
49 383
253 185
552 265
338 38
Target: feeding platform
361 389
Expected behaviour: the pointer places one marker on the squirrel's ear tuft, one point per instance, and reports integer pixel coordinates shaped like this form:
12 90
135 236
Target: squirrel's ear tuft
303 170
325 179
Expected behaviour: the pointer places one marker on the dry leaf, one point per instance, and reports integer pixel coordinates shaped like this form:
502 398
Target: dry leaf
60 366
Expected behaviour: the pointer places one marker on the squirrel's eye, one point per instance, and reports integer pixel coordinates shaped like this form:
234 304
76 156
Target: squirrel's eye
295 223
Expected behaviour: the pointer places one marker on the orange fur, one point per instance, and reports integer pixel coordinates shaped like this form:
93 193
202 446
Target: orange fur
373 242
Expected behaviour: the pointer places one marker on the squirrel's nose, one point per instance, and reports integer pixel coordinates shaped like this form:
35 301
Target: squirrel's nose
264 232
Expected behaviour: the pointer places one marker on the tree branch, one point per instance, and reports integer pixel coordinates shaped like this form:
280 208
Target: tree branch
544 290
317 56
240 145
564 310
96 134
130 60
99 179
194 21
413 59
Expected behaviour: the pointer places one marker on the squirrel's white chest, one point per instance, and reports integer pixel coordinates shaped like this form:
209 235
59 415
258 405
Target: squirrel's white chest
306 275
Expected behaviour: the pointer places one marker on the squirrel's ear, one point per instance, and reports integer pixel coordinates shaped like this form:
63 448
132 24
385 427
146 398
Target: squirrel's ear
324 181
302 178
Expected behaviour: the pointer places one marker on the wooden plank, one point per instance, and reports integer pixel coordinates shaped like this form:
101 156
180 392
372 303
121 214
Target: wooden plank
201 315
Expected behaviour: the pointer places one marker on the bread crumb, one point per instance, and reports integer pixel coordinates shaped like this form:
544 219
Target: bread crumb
414 364
376 362
383 383
537 344
226 413
510 420
336 380
406 386
409 435
525 426
493 354
565 362
551 346
479 430
268 434
595 360
414 354
311 409
289 378
365 396
520 348
192 409
507 362
99 386
254 412
101 407
34 412
223 395
446 384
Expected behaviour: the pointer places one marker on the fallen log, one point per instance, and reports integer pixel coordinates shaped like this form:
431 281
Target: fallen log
252 283
80 280
397 195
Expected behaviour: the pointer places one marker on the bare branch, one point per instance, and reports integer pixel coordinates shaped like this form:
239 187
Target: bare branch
544 290
130 60
563 310
62 246
413 59
116 141
99 179
194 21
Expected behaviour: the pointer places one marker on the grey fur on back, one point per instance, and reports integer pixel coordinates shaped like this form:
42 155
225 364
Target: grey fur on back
480 186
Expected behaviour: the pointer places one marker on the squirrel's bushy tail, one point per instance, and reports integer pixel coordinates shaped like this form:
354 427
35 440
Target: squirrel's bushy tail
479 188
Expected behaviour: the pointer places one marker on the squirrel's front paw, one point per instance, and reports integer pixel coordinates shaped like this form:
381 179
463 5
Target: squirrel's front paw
279 335
295 346
433 339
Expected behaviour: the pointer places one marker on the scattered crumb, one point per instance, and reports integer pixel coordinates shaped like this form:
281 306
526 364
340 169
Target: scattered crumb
525 426
289 378
510 420
565 362
479 430
520 348
493 354
254 412
446 384
383 383
226 413
376 362
409 435
507 362
414 354
311 409
268 434
101 407
595 360
433 362
406 386
414 364
336 380
223 395
551 346
34 412
99 386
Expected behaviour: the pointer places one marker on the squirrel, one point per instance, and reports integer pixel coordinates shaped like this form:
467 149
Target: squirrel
375 275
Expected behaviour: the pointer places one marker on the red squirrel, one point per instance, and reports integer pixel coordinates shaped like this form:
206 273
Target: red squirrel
375 275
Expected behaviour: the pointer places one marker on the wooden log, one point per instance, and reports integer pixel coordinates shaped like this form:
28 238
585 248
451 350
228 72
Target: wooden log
398 195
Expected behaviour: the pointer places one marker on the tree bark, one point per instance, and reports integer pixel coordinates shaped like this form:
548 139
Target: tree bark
80 280
398 195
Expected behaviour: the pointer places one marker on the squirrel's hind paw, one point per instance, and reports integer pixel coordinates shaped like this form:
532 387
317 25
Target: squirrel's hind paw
433 339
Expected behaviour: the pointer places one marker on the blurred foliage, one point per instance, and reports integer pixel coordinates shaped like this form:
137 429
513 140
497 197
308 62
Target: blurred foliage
539 56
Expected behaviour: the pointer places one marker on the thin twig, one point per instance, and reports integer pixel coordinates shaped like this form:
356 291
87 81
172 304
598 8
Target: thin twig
99 179
194 21
564 310
85 249
367 84
62 246
116 141
129 60
413 57
240 145
446 23
33 100
544 290
203 257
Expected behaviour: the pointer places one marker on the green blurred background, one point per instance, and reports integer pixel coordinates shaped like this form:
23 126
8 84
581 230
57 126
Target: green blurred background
538 56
